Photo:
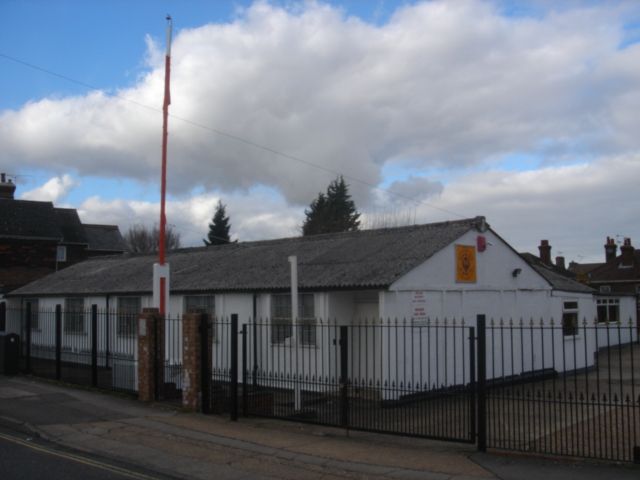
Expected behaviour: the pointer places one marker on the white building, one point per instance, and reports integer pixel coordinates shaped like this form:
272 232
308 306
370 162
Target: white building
401 282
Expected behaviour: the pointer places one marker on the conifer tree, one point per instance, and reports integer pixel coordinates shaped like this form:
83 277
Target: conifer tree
219 227
332 212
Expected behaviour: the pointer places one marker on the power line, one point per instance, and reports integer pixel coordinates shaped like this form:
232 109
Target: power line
234 137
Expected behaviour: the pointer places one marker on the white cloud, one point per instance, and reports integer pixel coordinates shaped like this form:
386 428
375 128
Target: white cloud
575 207
441 83
260 215
54 190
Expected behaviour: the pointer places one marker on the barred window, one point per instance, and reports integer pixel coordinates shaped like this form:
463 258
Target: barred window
281 325
128 310
608 310
74 315
206 303
570 318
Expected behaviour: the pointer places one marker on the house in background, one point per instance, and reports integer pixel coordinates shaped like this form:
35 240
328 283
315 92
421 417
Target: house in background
620 274
371 281
37 239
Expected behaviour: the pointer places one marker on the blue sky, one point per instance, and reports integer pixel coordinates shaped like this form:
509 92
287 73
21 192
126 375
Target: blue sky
467 107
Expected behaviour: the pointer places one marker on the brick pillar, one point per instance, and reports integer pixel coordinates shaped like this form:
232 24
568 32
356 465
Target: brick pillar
191 359
150 354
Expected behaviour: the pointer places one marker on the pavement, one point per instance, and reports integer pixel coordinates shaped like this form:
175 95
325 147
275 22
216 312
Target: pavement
175 444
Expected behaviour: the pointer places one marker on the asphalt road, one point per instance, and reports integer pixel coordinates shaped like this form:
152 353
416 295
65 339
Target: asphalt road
23 457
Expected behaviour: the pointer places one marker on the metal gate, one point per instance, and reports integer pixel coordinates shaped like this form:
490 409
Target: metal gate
398 378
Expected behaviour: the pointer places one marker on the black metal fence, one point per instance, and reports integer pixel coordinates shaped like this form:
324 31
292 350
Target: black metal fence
85 346
553 393
531 386
94 347
520 386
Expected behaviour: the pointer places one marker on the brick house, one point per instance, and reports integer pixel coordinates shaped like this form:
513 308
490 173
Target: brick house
620 274
37 239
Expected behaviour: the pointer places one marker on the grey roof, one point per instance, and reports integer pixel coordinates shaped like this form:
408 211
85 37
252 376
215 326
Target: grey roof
104 238
556 279
70 225
365 259
28 219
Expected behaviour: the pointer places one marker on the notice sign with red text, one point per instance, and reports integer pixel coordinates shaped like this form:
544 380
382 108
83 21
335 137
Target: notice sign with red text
418 308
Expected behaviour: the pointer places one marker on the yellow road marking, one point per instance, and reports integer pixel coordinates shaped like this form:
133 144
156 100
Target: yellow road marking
78 459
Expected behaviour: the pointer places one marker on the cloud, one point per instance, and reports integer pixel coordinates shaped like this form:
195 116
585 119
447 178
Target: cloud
263 214
53 190
444 84
575 207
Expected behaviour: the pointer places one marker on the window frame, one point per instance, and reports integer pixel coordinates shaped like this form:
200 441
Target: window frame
126 318
74 316
61 253
570 311
608 305
281 322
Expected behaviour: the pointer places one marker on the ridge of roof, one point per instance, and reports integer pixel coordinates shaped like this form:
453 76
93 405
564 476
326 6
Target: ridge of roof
363 259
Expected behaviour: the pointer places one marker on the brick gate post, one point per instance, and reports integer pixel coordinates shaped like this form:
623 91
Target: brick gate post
192 333
150 354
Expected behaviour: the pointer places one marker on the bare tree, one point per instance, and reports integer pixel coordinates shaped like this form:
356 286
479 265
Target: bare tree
141 239
389 219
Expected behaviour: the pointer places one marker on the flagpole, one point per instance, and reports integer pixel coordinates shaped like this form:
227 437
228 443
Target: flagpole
161 269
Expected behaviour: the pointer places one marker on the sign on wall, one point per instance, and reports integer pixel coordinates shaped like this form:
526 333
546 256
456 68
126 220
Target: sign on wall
418 308
465 264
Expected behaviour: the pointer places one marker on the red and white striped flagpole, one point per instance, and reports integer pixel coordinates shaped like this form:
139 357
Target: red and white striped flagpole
161 269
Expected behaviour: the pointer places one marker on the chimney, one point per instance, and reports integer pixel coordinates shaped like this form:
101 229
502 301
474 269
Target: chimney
545 251
610 250
560 263
7 187
627 251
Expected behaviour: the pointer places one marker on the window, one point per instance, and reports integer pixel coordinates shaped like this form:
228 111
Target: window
605 288
570 318
35 317
608 310
74 315
206 303
128 311
281 325
61 253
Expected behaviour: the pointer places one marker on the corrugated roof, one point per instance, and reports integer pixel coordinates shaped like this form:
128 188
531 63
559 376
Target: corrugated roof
555 279
104 238
28 219
365 259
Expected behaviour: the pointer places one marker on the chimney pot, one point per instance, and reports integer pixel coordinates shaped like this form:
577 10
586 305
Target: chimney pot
627 252
7 187
545 251
610 250
560 263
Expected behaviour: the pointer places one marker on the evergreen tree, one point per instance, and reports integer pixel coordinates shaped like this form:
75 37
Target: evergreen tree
219 227
332 212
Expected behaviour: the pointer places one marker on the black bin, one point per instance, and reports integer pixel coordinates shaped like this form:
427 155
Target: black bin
9 354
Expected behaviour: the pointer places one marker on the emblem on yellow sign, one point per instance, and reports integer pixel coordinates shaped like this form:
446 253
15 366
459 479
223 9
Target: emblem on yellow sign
465 263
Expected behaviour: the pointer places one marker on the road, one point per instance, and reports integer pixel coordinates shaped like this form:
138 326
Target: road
24 457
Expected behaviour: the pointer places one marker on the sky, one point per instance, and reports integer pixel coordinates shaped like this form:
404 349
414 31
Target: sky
522 111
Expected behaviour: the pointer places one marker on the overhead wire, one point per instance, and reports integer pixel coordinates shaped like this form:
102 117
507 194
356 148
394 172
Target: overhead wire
234 137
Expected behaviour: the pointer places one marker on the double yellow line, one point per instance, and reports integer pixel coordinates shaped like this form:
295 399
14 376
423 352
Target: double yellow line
78 459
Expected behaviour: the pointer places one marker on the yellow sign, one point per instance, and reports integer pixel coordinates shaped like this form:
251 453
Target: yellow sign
465 264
